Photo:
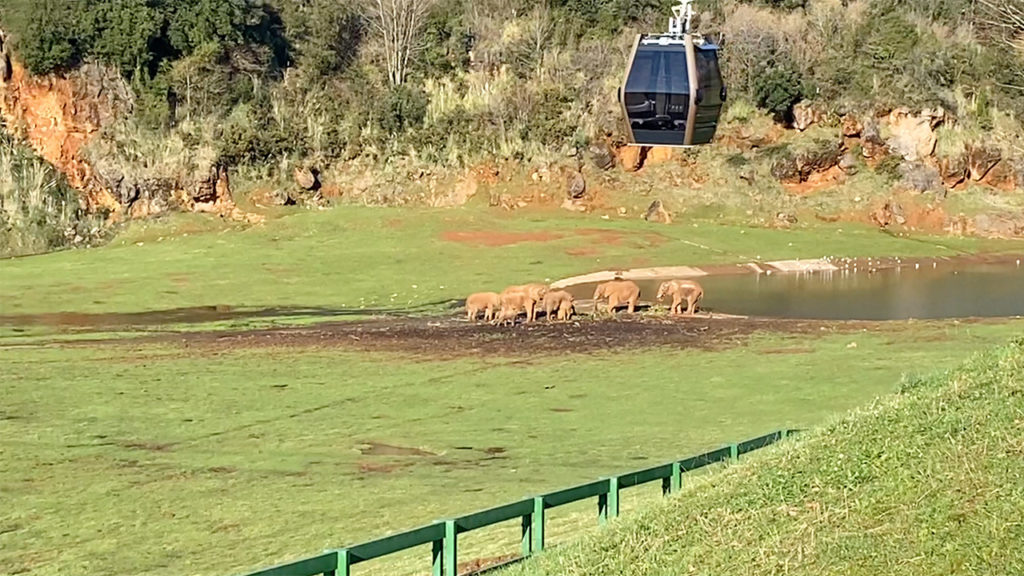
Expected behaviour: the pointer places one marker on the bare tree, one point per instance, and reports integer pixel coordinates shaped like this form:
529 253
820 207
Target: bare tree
1005 18
399 23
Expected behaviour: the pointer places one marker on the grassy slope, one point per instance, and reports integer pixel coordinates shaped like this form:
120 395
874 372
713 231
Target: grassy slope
364 257
164 460
929 481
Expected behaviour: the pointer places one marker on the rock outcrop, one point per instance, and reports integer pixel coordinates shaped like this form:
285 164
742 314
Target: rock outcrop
60 116
913 135
794 168
656 212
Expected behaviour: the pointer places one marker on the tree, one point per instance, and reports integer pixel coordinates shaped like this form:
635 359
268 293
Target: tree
399 24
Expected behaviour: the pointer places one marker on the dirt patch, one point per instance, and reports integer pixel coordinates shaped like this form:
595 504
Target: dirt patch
784 351
379 449
614 238
480 564
816 182
222 470
585 251
443 338
497 239
380 468
147 446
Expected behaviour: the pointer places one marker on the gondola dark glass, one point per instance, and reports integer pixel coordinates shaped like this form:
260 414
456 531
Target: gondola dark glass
673 91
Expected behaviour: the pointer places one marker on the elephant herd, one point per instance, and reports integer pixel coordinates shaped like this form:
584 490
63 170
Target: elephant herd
530 299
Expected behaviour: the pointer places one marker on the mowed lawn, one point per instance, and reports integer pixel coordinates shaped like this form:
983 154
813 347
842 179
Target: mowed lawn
161 459
356 258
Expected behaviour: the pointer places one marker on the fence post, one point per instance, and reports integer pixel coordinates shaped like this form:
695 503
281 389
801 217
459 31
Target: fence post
673 483
608 504
437 554
734 452
451 558
538 524
527 535
344 563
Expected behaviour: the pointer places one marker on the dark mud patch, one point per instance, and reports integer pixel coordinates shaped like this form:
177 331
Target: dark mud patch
445 338
86 322
379 449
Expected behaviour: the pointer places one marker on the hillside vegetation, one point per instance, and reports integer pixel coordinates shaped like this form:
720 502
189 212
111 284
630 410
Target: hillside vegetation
386 102
262 80
928 481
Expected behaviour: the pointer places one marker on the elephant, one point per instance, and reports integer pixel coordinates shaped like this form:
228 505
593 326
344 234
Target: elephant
512 303
532 296
618 292
681 290
561 303
486 302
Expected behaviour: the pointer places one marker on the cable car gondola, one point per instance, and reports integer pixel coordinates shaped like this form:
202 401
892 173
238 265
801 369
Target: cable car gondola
673 91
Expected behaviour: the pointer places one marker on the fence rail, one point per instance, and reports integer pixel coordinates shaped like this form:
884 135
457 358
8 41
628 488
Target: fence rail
443 535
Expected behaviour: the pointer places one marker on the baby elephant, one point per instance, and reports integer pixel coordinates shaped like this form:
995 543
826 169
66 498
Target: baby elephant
559 303
486 302
681 291
525 297
618 293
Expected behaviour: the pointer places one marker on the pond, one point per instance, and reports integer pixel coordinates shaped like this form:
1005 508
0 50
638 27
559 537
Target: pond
947 290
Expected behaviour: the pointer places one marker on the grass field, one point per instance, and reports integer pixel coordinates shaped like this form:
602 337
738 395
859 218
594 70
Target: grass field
926 482
160 459
354 258
133 456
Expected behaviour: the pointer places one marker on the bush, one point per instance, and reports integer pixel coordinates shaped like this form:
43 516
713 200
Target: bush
39 211
777 89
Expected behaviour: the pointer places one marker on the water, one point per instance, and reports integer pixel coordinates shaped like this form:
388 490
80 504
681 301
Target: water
947 291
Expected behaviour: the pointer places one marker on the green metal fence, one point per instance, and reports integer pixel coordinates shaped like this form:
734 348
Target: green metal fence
444 535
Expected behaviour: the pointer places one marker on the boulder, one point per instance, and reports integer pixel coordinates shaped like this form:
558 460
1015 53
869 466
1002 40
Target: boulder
656 213
573 206
980 160
953 170
848 163
794 168
1001 176
307 178
888 213
601 155
998 226
658 155
920 177
913 135
785 219
577 186
851 126
805 115
871 141
748 174
631 157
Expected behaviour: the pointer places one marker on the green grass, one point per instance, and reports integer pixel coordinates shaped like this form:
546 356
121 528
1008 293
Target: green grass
146 459
354 258
925 482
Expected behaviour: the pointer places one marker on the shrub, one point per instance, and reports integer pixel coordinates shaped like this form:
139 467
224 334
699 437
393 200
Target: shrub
778 89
